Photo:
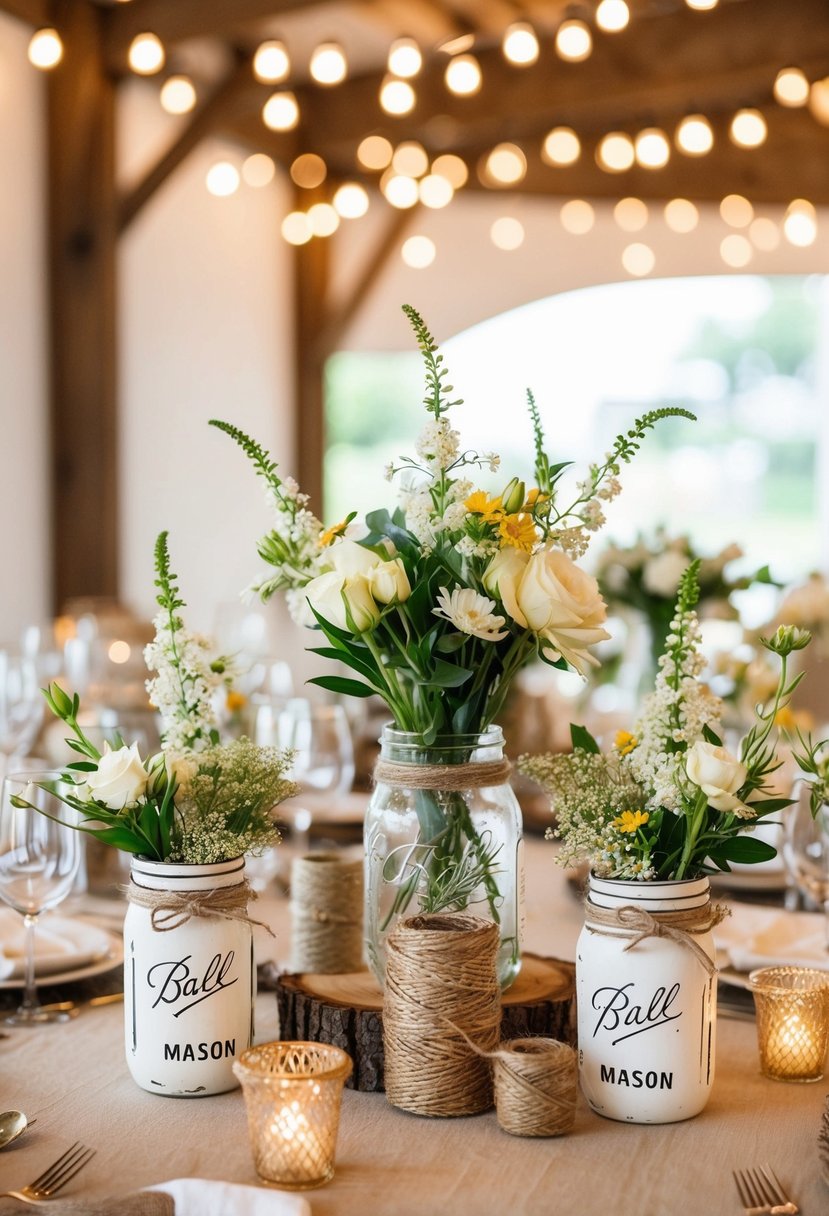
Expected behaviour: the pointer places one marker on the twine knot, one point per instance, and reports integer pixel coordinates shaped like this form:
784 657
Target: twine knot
171 909
677 926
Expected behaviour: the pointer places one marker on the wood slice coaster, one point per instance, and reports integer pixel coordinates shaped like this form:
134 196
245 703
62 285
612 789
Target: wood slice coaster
347 1010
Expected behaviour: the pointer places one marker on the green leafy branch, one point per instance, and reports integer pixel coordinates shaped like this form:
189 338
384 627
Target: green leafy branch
259 457
437 399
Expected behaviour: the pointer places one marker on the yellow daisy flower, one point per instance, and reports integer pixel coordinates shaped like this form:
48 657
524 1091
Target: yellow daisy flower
625 742
631 821
518 531
534 497
789 719
331 534
236 701
480 503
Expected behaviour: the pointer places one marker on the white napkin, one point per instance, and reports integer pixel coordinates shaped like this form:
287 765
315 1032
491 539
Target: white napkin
768 937
60 945
199 1197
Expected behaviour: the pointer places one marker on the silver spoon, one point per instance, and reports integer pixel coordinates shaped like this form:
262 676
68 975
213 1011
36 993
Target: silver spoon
13 1123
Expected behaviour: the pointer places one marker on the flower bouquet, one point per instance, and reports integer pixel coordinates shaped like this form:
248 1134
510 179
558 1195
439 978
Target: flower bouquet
435 607
645 576
668 806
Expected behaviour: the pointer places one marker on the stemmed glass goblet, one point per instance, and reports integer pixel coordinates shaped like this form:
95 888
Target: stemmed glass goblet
39 856
806 851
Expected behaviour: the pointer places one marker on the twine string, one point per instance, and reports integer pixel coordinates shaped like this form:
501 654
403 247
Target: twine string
442 996
676 926
453 777
171 909
327 914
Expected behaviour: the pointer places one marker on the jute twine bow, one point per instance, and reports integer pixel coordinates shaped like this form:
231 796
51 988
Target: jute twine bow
535 1087
679 926
441 1014
327 914
172 909
452 777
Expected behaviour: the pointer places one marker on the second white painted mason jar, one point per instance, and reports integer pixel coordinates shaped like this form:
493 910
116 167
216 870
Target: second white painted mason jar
647 1016
189 990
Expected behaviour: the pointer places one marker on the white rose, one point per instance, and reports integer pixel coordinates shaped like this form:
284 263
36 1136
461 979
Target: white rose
662 573
350 559
329 593
550 595
389 581
120 778
719 775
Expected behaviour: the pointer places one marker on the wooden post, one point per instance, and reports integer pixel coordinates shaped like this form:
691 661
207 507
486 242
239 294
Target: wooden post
311 267
82 336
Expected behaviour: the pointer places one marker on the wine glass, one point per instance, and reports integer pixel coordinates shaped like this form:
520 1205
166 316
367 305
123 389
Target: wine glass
21 705
39 856
806 851
320 738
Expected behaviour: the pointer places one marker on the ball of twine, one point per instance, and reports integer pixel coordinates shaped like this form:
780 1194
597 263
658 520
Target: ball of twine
327 914
441 1014
535 1087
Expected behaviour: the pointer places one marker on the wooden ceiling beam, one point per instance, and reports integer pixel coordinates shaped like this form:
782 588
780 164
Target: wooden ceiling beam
177 20
36 13
206 120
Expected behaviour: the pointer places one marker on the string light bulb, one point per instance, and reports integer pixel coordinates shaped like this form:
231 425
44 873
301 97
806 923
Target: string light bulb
329 65
281 112
410 159
652 149
463 75
323 219
418 252
45 49
375 152
296 228
681 215
615 152
520 44
271 62
398 191
702 6
397 96
748 129
694 135
819 101
574 42
350 201
800 223
506 165
736 211
764 234
791 87
638 259
308 171
612 16
435 191
258 170
577 217
736 251
561 146
178 95
631 214
405 58
146 54
222 179
507 233
452 168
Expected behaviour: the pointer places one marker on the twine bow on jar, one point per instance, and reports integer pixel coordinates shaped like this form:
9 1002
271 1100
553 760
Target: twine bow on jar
171 909
677 926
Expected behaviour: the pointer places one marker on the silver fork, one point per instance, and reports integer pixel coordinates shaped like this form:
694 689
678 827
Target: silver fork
54 1178
761 1193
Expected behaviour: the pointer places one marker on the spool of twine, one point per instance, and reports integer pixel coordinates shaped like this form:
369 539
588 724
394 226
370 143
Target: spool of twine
441 1014
327 914
535 1087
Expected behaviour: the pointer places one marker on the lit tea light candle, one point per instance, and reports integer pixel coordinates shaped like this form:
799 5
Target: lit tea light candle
792 1021
293 1093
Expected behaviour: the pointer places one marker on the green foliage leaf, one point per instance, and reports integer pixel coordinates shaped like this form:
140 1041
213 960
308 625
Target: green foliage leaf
447 675
450 642
747 850
381 524
341 684
710 736
582 740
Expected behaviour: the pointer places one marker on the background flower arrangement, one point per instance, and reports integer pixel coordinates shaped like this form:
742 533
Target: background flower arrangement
196 801
669 800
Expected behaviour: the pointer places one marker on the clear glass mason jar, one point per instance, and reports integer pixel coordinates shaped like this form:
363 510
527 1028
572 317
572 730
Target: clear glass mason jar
430 850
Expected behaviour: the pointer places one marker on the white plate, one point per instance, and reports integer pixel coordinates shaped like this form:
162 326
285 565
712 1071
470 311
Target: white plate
113 958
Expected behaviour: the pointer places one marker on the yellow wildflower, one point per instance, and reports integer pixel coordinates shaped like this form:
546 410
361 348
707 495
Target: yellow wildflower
625 742
789 719
631 821
331 534
534 497
480 503
518 531
236 701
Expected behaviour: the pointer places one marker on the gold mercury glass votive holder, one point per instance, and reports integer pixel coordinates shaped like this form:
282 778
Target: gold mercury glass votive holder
293 1093
792 1021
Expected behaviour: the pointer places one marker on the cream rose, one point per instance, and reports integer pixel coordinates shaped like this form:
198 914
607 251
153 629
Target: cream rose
329 594
350 559
388 581
661 574
120 778
719 775
550 595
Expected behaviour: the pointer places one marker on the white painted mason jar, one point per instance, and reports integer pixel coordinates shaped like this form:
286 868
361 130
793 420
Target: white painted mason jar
188 991
647 1016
